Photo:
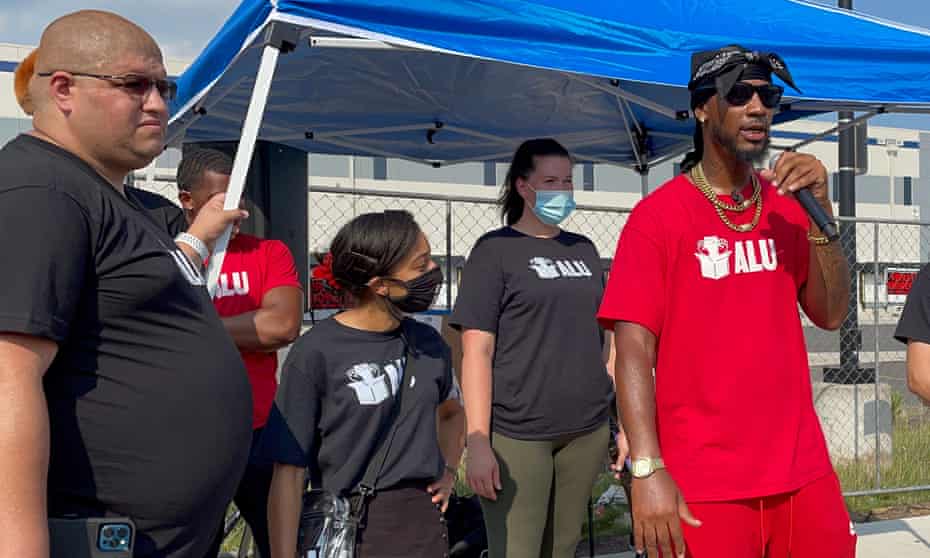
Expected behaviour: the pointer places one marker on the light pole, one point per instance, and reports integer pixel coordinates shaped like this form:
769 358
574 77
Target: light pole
891 148
850 334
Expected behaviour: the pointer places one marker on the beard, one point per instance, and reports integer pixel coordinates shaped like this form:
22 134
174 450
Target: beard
753 154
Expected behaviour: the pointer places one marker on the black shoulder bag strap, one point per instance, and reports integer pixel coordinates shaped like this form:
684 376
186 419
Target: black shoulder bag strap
366 488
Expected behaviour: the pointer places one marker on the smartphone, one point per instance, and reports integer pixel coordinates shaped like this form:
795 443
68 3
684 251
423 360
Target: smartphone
91 537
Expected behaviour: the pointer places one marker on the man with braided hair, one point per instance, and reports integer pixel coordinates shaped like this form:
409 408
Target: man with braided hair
729 460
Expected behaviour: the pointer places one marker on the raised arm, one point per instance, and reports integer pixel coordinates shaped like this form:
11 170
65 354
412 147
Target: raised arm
825 295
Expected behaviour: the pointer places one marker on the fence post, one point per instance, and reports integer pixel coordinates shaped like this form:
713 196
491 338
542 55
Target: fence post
877 361
449 279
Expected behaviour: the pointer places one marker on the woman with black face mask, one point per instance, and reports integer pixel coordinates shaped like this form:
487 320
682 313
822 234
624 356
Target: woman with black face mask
338 392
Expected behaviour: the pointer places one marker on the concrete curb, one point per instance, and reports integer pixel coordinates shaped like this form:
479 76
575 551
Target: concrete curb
900 538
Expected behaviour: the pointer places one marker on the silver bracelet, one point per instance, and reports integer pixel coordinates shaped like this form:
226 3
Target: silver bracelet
195 243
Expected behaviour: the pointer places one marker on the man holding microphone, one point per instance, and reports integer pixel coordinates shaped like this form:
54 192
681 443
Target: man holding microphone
728 457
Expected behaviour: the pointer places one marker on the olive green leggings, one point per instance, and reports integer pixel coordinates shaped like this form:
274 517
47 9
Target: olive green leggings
546 486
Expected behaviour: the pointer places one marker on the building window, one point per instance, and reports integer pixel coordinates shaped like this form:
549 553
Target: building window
380 168
490 173
587 173
908 191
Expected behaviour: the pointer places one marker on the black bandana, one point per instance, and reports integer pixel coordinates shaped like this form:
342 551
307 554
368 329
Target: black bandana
720 69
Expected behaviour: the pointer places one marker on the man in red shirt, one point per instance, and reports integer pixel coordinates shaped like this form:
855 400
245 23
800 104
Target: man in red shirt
705 288
260 302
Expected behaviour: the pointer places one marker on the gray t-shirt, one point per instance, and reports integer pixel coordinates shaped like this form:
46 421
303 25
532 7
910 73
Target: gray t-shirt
338 386
539 297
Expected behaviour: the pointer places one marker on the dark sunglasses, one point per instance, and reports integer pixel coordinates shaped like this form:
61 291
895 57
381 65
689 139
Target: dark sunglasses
742 92
136 85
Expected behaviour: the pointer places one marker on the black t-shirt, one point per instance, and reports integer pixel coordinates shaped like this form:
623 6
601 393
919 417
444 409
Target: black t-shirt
914 323
540 298
148 400
337 389
165 213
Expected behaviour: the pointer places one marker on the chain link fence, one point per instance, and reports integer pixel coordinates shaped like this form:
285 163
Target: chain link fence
878 433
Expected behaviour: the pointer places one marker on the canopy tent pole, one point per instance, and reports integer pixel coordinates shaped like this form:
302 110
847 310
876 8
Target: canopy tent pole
617 91
644 181
250 128
840 127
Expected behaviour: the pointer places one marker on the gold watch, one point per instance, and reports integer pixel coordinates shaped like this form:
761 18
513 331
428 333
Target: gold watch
645 466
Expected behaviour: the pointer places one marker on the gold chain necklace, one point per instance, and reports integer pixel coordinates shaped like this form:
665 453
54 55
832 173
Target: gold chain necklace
699 180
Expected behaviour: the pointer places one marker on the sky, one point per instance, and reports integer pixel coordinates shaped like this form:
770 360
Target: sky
183 27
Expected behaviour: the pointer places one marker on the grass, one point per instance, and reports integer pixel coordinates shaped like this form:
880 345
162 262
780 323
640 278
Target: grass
908 465
231 543
614 519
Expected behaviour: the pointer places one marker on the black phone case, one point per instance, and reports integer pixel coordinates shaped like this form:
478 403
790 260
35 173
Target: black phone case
89 537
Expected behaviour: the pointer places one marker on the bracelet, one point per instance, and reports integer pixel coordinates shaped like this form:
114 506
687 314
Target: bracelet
195 243
818 240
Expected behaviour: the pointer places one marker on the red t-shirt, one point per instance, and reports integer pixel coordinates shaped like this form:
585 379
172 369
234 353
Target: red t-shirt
735 412
253 267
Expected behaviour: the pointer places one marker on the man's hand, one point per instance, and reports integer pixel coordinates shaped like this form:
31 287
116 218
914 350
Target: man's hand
212 220
441 491
658 510
795 171
481 468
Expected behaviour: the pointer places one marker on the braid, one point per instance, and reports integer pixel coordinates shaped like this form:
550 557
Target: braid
699 98
694 157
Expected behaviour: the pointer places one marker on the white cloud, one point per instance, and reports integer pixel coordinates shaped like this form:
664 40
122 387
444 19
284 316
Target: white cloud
181 27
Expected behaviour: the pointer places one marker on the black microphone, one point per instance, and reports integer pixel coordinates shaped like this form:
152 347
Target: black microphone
807 201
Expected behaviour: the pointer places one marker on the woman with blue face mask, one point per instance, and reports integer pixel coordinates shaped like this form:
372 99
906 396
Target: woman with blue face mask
534 376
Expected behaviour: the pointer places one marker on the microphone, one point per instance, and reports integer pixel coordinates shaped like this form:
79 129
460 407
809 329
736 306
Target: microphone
816 212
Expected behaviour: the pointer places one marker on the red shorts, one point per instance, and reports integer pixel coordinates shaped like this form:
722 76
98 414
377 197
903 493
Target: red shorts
807 523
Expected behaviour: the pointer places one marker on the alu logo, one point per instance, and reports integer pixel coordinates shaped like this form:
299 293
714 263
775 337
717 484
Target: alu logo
239 287
749 256
374 383
546 268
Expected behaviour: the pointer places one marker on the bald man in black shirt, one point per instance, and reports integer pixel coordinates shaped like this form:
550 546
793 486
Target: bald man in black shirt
120 392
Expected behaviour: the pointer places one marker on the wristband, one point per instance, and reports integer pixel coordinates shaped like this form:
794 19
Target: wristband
195 243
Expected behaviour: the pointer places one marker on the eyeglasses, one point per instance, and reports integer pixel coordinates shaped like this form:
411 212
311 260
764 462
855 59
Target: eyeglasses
135 85
742 92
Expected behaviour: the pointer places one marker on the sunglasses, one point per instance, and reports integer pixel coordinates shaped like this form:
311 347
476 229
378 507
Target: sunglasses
742 92
135 85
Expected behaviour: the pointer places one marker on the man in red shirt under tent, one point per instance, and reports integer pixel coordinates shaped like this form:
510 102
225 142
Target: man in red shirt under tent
729 459
260 301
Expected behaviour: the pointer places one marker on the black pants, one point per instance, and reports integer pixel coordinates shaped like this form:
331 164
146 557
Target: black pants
252 500
402 522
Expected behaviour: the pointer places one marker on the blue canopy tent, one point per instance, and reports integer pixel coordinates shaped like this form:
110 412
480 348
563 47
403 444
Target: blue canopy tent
448 81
